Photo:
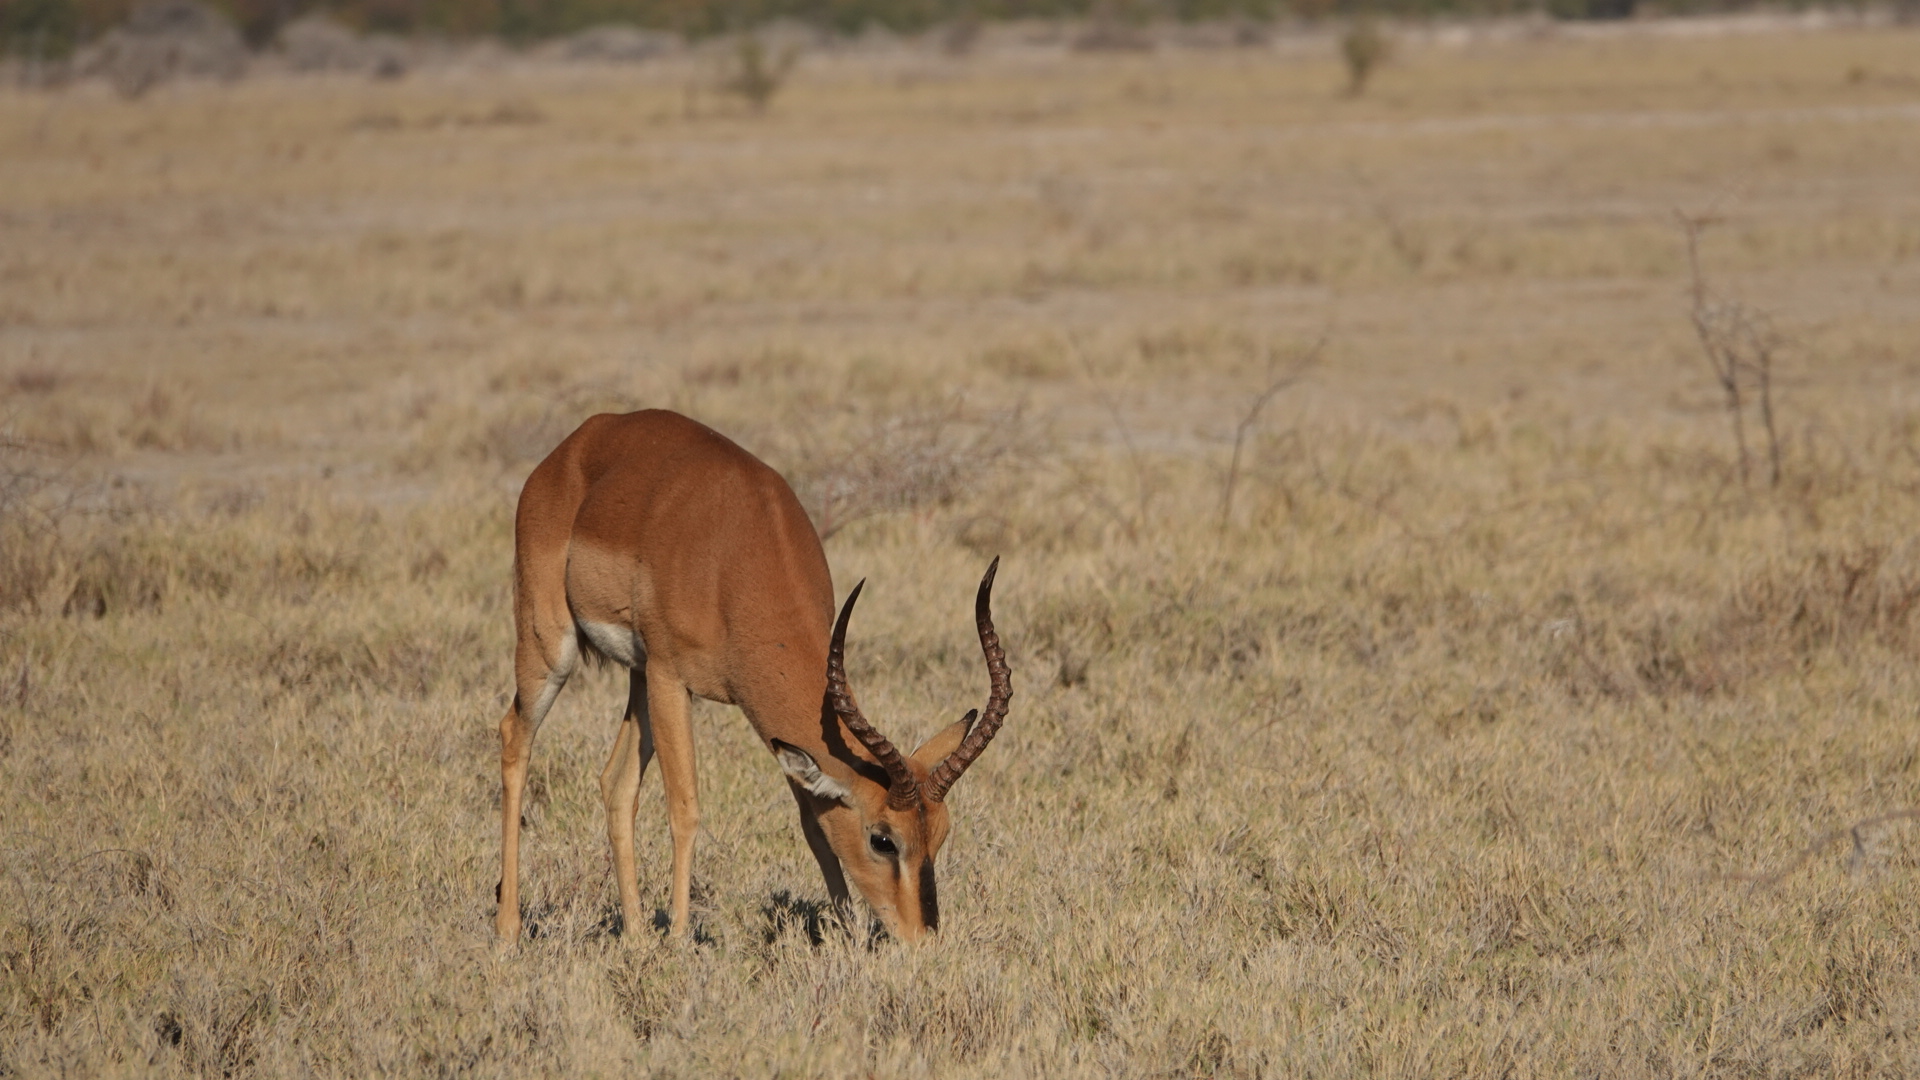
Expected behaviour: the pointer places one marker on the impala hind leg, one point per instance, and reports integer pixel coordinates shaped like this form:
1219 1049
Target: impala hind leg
672 717
538 684
823 854
620 790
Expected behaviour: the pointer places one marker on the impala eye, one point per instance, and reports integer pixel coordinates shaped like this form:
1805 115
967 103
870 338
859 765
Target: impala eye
882 844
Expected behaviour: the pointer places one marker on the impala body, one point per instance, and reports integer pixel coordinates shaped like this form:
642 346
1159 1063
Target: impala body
655 542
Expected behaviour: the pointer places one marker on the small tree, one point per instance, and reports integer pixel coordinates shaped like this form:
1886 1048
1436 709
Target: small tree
754 74
1364 47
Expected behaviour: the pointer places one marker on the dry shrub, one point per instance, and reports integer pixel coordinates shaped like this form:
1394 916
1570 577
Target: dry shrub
305 666
160 417
649 990
1070 632
74 547
754 73
1829 598
1317 909
35 381
1112 28
930 454
163 419
1364 46
137 563
1039 361
783 369
37 497
1517 908
959 1021
1741 344
315 42
220 1035
73 907
161 40
116 574
532 411
1204 1050
1853 979
1773 618
513 441
619 43
1652 653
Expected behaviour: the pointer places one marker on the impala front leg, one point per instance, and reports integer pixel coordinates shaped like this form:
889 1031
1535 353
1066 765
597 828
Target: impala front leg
823 854
672 718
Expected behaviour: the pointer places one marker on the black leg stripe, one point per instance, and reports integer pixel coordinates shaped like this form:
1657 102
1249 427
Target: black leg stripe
929 897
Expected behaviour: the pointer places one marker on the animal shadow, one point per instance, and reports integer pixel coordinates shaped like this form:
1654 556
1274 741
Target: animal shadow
784 910
663 926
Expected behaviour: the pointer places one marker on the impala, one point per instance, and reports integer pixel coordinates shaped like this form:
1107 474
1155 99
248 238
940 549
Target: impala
651 540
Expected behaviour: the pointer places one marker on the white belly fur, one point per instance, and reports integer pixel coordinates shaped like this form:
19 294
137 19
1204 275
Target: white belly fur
616 643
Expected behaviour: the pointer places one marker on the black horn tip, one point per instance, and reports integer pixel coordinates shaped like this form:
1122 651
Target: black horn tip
846 609
986 583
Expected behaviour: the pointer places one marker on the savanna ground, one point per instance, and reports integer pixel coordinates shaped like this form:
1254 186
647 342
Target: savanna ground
1440 748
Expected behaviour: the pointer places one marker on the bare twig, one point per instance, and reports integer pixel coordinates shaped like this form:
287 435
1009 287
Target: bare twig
1142 488
1855 831
921 456
1764 345
1740 343
1275 384
1724 364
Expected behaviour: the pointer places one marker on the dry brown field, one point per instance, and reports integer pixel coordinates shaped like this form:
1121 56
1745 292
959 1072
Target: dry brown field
1475 719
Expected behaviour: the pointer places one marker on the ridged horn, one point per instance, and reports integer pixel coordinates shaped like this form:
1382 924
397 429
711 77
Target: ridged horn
903 791
999 692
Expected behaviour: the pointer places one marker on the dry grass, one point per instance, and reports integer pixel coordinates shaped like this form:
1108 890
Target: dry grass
1442 757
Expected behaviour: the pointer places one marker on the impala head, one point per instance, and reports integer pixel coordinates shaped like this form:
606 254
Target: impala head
887 823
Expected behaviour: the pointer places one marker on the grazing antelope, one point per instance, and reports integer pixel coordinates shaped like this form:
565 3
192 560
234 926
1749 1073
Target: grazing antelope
652 540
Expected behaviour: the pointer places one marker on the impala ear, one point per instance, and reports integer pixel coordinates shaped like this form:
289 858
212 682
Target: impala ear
800 766
945 741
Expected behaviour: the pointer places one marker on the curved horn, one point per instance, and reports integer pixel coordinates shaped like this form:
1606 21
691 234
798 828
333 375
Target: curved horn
902 790
1000 691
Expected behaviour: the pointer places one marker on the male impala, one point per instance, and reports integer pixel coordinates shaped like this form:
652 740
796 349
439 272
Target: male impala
654 541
